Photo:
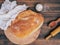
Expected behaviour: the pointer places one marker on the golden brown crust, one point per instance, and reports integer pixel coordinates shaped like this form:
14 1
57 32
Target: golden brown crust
25 24
22 41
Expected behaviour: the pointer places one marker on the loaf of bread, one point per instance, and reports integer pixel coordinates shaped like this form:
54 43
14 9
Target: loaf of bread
25 28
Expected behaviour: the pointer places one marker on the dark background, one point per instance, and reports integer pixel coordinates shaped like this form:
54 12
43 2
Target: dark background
50 14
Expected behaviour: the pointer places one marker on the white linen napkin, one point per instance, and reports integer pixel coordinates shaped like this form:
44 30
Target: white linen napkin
8 12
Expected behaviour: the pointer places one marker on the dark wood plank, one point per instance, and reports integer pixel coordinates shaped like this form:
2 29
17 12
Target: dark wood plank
46 42
38 1
49 14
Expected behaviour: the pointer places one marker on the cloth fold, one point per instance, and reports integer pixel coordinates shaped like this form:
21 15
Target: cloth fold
8 12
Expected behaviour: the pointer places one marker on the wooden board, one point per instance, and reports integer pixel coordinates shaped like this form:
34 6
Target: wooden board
49 15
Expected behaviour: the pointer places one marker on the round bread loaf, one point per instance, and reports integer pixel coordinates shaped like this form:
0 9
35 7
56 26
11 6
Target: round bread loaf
25 28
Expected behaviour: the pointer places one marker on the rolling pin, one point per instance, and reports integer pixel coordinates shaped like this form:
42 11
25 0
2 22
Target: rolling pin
53 33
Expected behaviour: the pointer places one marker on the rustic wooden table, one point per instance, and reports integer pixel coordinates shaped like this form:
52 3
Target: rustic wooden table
49 14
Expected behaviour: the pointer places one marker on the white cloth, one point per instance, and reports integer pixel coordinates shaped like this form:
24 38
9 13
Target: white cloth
8 13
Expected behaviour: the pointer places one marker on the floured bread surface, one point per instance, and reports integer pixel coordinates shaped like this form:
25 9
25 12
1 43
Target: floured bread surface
26 23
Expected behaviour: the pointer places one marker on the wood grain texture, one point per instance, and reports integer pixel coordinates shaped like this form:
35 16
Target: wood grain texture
46 42
38 1
49 15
